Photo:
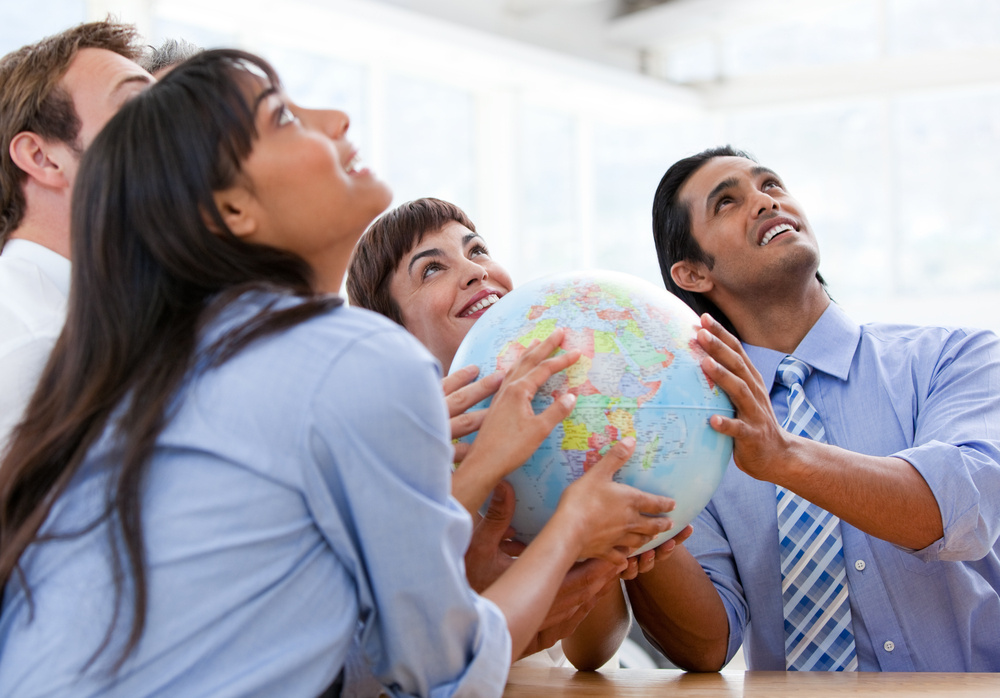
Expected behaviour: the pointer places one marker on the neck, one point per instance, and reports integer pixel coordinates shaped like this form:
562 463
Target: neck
328 273
782 320
46 237
46 219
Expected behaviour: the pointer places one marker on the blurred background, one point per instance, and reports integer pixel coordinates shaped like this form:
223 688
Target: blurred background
551 121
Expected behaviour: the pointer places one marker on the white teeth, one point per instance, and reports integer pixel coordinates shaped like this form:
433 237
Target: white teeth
484 303
780 228
354 164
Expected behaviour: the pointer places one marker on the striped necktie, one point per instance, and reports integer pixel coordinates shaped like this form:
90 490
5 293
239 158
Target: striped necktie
818 631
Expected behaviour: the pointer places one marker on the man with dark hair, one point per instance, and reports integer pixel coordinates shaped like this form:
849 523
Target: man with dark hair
857 527
55 96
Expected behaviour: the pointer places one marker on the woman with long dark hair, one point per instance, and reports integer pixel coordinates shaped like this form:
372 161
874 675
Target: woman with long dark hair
225 475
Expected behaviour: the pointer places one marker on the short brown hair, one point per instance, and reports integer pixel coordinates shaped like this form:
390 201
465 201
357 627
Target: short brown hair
31 99
384 244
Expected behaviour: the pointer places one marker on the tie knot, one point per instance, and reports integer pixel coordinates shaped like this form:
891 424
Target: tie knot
792 371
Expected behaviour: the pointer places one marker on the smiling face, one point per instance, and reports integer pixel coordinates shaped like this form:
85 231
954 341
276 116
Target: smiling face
755 233
443 285
306 191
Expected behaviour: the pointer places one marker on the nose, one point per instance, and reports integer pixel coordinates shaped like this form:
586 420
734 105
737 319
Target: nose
474 273
764 203
339 122
332 122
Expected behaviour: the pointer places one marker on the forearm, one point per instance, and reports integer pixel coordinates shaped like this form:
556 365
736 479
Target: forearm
472 484
678 607
885 497
526 590
600 634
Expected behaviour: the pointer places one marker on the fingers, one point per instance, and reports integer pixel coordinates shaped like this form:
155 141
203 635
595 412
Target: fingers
724 335
462 396
645 561
684 534
466 423
512 548
632 570
500 511
458 378
537 363
633 540
585 580
725 348
666 549
461 450
556 412
616 457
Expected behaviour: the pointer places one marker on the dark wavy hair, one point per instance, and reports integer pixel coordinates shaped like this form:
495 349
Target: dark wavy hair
153 262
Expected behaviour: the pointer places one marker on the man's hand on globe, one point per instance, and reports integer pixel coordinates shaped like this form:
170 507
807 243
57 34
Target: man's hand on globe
761 448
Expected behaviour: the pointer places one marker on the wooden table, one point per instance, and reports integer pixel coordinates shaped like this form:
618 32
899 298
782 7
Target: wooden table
533 682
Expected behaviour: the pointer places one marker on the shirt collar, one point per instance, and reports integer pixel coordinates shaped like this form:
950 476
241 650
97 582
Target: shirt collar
53 265
828 347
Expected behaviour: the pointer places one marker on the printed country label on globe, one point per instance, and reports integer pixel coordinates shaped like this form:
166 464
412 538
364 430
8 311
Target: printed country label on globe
639 375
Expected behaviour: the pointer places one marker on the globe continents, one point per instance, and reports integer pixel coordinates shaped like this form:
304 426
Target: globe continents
639 376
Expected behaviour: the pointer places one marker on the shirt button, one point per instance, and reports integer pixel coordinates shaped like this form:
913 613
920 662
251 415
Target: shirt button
889 645
859 565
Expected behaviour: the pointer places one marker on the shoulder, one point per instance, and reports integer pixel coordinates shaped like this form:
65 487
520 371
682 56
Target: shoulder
340 345
30 304
930 352
321 336
925 338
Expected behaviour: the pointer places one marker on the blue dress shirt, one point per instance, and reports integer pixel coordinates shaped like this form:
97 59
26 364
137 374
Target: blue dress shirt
300 491
930 396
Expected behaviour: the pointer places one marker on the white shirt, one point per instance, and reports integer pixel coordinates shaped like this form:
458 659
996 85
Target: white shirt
34 285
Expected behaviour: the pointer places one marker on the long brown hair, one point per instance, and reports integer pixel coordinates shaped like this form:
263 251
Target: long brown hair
153 262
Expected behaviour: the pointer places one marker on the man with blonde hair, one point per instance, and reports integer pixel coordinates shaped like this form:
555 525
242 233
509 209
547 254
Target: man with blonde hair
55 96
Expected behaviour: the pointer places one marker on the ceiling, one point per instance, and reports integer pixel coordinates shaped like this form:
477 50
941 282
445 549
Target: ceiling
623 33
641 35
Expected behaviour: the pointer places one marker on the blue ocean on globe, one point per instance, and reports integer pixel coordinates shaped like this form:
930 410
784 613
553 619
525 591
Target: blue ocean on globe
639 375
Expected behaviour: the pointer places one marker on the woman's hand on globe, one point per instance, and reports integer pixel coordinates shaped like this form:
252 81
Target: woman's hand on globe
462 391
607 519
511 431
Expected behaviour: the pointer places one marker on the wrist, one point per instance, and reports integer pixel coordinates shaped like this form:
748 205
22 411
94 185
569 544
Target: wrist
572 530
800 465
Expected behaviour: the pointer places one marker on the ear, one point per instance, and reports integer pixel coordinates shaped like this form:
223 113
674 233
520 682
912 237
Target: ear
238 209
41 160
691 276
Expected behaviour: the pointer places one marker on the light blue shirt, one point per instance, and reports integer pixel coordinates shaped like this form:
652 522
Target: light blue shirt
301 489
931 396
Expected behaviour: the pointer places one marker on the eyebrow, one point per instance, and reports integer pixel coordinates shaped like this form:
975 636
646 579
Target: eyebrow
436 251
432 252
129 79
272 90
731 182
